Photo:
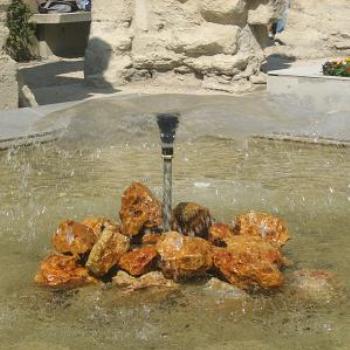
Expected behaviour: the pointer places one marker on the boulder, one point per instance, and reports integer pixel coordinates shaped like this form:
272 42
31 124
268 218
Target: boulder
98 225
266 226
153 279
224 11
150 238
139 261
191 219
140 210
62 271
184 257
220 289
220 234
74 238
107 251
250 262
207 39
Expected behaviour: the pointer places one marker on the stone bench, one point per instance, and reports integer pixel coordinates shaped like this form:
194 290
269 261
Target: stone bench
61 34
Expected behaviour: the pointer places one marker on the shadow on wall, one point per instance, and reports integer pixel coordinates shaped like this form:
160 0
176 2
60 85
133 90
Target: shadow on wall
63 81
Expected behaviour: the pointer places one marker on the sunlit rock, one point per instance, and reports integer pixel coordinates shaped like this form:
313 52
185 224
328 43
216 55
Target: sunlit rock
184 257
73 238
98 224
315 285
152 279
62 271
107 251
266 226
138 261
191 219
250 262
220 289
140 210
150 238
220 234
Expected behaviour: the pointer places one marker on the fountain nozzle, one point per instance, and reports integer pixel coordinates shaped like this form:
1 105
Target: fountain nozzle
167 123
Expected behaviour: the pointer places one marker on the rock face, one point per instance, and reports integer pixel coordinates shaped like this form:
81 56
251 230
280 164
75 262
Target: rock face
107 251
138 261
8 69
62 271
191 219
73 238
266 226
184 257
250 262
207 44
220 234
140 210
98 225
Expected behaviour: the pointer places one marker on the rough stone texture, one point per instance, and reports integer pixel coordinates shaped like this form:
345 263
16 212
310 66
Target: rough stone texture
266 226
73 238
8 69
199 41
316 29
250 262
107 251
99 224
62 271
184 257
220 234
140 210
223 290
154 279
138 261
191 219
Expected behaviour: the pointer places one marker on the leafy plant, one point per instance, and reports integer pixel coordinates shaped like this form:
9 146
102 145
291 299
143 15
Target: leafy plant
21 31
338 67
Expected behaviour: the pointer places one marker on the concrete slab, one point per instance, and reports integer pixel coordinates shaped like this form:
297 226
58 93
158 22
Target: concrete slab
305 81
56 18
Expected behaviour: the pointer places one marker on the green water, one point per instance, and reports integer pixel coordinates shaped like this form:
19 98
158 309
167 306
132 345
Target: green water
307 185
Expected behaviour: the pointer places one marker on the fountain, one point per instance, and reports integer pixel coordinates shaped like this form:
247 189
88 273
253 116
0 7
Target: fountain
109 143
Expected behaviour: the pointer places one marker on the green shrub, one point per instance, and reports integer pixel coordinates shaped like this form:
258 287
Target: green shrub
338 68
21 31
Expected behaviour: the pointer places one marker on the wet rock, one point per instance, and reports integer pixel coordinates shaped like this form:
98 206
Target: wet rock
73 238
98 225
151 279
250 262
150 238
184 257
140 210
221 289
315 285
266 226
220 234
191 219
107 251
138 261
62 271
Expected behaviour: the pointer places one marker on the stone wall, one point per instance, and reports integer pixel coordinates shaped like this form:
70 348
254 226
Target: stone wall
212 44
8 82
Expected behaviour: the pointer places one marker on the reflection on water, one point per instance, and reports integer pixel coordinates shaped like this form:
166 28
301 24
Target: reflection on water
308 185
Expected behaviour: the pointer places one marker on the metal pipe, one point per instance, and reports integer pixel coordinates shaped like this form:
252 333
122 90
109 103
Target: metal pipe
167 191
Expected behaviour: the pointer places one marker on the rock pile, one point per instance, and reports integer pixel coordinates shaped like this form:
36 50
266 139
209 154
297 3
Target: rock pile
199 43
135 254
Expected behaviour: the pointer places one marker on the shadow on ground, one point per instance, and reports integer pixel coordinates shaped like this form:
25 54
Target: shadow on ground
60 80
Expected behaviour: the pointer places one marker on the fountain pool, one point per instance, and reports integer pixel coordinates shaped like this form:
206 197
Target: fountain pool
107 144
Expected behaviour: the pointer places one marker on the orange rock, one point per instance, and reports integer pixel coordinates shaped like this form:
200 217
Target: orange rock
266 226
151 238
191 219
154 279
73 238
219 234
62 271
140 210
184 257
107 251
244 272
98 225
138 261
